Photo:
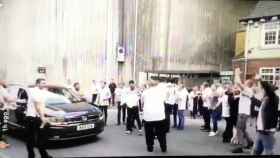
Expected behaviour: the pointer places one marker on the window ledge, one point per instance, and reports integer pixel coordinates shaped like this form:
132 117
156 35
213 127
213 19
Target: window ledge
269 47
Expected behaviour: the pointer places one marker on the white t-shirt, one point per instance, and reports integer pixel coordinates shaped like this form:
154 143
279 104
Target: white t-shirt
103 96
94 88
121 95
191 100
245 101
207 97
35 95
171 97
153 99
132 98
225 106
182 99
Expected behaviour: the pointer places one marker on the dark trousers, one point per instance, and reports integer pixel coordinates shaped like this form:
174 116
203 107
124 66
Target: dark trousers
279 120
1 124
133 114
155 128
228 133
175 111
168 111
94 96
121 111
112 100
35 137
206 118
104 111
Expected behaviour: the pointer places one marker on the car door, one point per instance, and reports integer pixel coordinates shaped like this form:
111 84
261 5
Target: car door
16 116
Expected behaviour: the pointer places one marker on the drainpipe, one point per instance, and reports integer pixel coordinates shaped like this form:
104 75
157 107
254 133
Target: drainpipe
135 40
246 51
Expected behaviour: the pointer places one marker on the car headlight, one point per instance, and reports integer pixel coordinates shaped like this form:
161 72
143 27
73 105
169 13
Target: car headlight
57 120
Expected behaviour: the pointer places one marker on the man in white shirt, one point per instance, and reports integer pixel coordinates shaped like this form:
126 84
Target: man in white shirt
103 99
132 102
120 100
154 116
182 94
244 111
171 105
207 97
35 120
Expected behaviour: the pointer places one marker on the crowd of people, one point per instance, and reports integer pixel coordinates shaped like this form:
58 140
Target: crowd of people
252 102
152 104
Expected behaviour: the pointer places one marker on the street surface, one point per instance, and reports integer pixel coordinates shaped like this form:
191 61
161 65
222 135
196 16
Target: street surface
113 142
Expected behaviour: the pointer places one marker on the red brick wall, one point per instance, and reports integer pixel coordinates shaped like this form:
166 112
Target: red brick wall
254 66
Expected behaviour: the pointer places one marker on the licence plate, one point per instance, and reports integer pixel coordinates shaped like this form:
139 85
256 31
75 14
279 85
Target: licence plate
85 127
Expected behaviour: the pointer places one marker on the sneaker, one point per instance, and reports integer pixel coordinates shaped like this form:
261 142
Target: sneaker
163 149
237 150
250 145
128 132
140 132
211 134
205 130
150 149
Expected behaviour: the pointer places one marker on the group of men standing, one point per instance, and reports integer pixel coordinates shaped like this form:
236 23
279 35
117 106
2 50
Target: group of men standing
254 100
156 101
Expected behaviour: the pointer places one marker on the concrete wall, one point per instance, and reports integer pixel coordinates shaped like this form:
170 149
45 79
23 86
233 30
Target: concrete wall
73 39
76 39
188 34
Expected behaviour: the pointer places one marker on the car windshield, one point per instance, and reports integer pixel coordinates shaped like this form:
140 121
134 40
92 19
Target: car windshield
57 100
66 92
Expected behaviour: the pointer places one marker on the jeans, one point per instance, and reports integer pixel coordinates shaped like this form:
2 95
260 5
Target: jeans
242 134
264 142
181 119
215 118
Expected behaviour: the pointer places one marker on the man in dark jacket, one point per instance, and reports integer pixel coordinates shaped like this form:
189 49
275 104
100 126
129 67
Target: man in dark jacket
112 87
266 121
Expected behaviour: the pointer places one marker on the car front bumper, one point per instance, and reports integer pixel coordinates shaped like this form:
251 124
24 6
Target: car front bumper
56 133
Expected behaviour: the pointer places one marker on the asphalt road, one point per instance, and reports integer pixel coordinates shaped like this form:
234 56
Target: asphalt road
113 142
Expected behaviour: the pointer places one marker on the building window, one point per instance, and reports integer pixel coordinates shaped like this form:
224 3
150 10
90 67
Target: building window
270 74
279 37
270 37
272 34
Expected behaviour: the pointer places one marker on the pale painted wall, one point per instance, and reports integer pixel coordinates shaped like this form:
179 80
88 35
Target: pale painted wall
255 41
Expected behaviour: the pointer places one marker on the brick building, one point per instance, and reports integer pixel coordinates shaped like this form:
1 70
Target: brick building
258 43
